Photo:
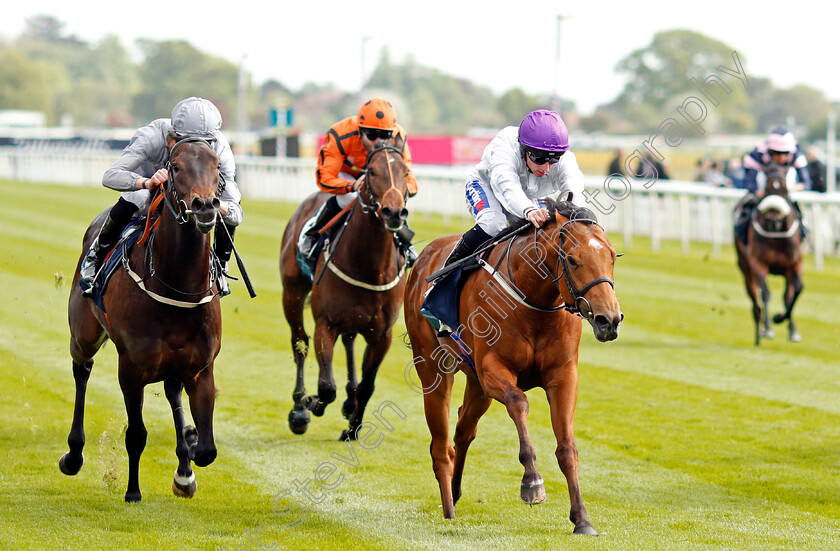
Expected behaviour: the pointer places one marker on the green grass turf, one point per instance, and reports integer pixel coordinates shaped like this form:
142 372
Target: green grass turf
689 436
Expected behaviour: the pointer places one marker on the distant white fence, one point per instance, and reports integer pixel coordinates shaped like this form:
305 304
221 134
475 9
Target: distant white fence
683 211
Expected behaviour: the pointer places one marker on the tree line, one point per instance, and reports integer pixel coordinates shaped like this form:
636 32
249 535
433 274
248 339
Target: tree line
48 69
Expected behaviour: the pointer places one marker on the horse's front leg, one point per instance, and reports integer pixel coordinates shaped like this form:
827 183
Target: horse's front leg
349 405
793 288
72 461
325 337
375 351
500 384
202 393
135 434
561 392
184 484
767 332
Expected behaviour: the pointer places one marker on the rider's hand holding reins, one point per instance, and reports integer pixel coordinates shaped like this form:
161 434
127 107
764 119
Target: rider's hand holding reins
157 179
537 217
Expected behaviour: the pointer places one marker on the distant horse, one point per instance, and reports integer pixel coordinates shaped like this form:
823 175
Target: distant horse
521 327
773 242
359 282
166 325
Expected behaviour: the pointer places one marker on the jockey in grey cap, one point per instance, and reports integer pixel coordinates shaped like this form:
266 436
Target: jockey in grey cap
142 167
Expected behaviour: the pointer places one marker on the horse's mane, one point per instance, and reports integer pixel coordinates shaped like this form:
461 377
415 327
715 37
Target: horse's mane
570 211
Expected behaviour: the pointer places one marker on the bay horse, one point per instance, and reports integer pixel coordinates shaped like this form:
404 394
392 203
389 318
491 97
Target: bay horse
520 329
166 326
773 247
358 286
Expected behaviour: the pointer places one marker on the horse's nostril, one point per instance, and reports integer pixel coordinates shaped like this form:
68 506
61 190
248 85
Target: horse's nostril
387 212
196 204
601 321
403 213
216 203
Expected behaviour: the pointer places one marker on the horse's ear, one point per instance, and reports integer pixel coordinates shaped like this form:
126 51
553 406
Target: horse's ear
568 196
399 140
171 140
368 145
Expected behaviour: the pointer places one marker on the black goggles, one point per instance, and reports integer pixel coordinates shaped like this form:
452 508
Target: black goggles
376 133
540 157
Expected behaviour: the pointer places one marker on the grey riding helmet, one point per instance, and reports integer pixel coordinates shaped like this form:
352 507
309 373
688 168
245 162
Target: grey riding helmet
196 117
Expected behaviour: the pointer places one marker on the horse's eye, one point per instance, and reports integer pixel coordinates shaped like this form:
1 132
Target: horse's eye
572 262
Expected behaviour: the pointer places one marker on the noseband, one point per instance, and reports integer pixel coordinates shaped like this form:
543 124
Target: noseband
170 194
372 205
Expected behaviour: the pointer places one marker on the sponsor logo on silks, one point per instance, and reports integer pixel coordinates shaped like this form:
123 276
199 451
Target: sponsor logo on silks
476 197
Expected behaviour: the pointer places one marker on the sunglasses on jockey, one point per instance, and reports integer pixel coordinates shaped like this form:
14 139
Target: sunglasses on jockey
376 133
540 156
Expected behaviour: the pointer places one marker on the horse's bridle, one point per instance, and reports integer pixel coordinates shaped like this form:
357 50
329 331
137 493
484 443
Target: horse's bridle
373 205
581 305
170 194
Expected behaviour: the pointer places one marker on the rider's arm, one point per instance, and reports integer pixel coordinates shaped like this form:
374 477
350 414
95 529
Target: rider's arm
139 160
570 178
230 197
505 162
330 163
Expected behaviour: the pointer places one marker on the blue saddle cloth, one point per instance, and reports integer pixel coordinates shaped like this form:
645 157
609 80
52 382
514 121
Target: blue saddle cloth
440 306
130 235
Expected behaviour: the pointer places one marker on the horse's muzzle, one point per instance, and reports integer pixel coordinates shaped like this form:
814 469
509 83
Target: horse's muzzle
394 219
606 327
205 211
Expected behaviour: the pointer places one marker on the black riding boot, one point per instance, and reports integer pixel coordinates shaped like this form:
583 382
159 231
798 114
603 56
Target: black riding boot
404 237
469 243
108 236
328 211
223 247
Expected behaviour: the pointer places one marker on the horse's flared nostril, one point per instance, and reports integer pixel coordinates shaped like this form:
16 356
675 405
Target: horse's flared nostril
403 214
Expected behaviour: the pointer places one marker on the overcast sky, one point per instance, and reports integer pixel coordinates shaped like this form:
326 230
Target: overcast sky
511 45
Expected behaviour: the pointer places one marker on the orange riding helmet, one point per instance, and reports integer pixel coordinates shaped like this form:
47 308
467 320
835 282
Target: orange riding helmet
378 113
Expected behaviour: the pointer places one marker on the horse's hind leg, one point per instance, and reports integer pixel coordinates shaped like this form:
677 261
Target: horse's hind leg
375 352
184 484
135 434
349 405
72 461
437 389
475 405
562 396
87 336
293 305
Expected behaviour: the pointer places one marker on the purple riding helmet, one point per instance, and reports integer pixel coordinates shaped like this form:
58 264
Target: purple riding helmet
545 131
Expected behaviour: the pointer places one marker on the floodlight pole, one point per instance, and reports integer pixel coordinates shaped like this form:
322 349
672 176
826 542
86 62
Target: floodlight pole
555 100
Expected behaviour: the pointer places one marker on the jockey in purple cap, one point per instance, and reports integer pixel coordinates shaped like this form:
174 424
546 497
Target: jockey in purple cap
519 167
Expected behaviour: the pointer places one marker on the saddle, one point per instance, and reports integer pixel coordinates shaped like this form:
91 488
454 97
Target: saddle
129 236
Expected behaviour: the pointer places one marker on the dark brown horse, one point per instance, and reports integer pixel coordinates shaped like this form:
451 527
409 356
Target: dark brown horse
167 327
358 289
773 247
521 323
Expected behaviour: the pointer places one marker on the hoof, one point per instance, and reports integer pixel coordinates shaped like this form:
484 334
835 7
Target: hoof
794 336
317 407
298 420
70 466
347 434
779 318
585 529
533 493
184 486
768 334
348 407
190 436
132 497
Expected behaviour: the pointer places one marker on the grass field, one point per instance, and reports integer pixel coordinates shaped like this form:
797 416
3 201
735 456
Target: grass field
689 436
